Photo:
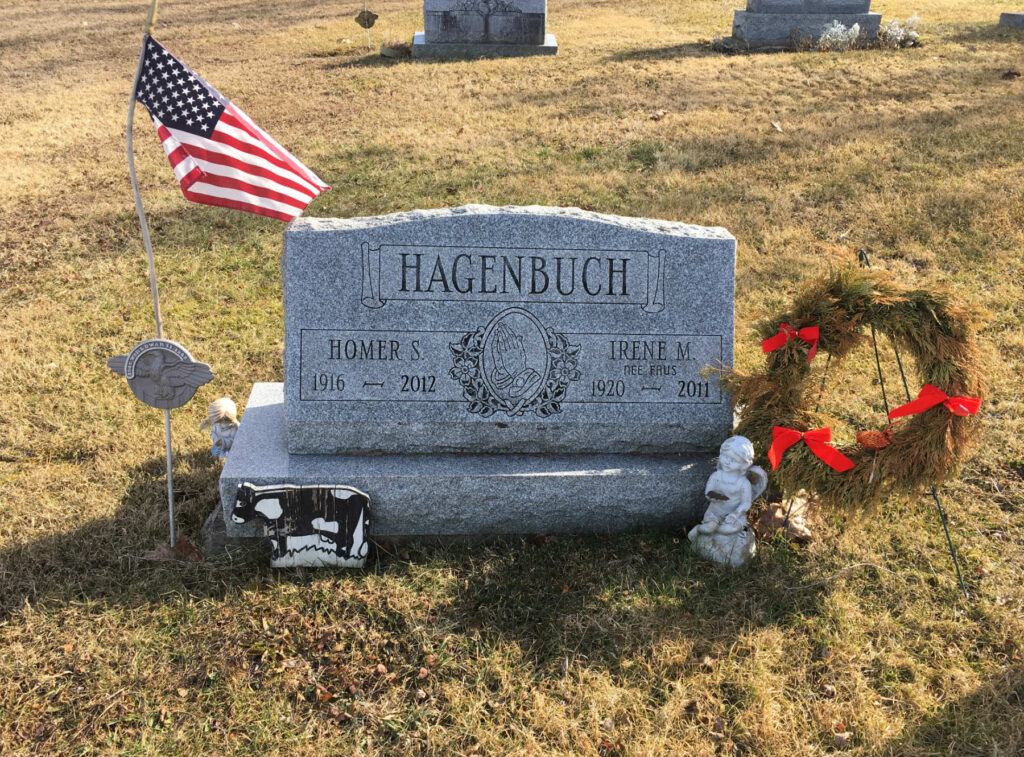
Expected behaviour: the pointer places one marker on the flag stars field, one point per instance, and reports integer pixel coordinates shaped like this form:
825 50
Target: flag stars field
220 157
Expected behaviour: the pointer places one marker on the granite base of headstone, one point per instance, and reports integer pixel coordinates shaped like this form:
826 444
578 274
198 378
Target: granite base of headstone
776 24
483 28
489 371
1012 20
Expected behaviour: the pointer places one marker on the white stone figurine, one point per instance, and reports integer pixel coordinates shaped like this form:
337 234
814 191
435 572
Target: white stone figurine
222 420
723 535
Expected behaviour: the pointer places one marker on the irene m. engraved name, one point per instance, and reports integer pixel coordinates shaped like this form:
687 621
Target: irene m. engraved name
506 330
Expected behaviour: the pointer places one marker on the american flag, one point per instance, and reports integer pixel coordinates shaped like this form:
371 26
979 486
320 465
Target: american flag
220 157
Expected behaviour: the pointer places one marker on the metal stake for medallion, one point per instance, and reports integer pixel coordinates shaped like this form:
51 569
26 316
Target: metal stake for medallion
150 21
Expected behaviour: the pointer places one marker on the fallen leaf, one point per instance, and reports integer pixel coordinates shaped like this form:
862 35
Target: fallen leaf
182 551
565 588
182 693
381 669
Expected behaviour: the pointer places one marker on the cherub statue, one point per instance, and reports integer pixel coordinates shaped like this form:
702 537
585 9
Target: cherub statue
723 535
222 420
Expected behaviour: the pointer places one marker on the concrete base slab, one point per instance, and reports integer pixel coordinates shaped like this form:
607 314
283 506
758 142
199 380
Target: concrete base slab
483 495
457 50
759 30
1012 20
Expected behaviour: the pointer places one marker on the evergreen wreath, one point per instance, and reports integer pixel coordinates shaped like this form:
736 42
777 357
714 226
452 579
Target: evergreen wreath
848 307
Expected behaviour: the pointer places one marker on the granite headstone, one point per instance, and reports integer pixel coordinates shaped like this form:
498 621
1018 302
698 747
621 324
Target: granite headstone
473 28
490 370
781 23
1012 20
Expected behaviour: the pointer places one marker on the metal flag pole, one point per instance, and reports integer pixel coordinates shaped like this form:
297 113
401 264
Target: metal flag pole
150 21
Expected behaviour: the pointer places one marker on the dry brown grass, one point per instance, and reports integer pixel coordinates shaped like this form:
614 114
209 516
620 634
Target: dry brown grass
575 646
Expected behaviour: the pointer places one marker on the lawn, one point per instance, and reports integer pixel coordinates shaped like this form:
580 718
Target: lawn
605 645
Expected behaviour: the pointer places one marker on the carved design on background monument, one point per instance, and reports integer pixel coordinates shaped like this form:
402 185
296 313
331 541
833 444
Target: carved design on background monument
515 365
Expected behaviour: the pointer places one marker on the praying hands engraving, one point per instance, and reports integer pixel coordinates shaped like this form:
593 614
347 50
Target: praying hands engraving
511 375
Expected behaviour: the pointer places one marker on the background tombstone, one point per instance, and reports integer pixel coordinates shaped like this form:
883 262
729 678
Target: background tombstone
473 28
498 370
1012 20
780 23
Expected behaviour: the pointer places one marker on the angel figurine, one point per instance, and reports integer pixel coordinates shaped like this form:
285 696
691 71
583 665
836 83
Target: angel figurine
723 535
222 420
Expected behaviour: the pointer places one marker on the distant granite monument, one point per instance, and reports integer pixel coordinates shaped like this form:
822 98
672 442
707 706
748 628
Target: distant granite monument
475 28
784 23
1012 20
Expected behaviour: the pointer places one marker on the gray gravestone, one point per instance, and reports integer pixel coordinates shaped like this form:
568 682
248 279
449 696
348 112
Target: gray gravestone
505 330
472 28
498 370
781 23
1012 20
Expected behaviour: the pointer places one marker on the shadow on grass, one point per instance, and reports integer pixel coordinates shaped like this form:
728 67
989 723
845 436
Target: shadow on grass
369 60
101 560
988 33
988 722
670 52
600 600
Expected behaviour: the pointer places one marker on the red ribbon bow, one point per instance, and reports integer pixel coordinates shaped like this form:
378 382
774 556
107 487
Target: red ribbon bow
817 441
931 396
807 334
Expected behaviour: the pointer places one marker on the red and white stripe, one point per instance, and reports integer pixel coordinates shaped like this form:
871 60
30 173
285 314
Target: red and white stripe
240 166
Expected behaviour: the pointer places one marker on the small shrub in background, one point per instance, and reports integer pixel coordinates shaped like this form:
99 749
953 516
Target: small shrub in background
896 35
837 38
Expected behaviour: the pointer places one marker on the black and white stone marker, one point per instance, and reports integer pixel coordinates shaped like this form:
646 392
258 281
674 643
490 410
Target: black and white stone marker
308 526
